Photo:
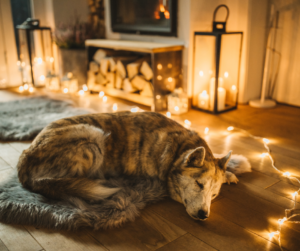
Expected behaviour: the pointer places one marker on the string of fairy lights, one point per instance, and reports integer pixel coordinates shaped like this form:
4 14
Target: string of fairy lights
265 141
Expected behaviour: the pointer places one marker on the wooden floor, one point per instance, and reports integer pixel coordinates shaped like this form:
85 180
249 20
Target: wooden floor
241 217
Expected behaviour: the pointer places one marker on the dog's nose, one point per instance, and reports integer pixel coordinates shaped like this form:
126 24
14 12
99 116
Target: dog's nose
202 215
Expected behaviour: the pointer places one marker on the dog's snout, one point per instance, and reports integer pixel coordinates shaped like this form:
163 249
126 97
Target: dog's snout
202 215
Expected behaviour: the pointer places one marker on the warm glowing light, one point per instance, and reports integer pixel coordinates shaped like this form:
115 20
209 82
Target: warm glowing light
104 99
206 130
168 114
294 194
187 122
158 97
21 88
159 77
81 92
170 66
167 14
85 88
70 75
42 78
230 128
271 235
23 64
170 79
264 155
101 94
39 60
162 8
18 63
201 73
66 90
266 140
233 87
115 107
31 89
226 74
287 174
51 60
26 87
176 108
159 67
134 109
281 221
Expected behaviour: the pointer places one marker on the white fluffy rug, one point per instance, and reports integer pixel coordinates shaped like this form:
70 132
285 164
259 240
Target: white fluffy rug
24 119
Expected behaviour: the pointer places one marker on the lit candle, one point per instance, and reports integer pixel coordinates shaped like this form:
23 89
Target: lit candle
221 98
203 100
212 92
233 92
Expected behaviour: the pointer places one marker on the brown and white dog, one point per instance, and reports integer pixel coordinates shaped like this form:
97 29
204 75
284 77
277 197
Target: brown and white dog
72 157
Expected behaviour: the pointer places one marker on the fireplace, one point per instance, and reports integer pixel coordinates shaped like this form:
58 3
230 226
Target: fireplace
156 17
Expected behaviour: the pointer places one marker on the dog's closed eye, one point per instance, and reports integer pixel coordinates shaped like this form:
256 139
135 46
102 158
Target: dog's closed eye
199 184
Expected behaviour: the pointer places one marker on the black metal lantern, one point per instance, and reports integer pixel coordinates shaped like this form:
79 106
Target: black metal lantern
216 68
35 52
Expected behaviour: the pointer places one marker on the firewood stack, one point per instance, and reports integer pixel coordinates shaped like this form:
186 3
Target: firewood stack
132 74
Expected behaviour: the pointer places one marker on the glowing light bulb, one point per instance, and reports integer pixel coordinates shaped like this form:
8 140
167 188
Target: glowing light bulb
176 108
159 66
168 114
31 89
271 235
201 73
281 221
66 90
26 87
266 140
21 88
115 107
294 194
85 88
81 92
101 94
287 174
230 128
104 99
206 130
134 109
264 155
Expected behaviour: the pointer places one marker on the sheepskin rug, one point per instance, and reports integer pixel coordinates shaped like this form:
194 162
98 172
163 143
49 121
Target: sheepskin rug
20 206
24 119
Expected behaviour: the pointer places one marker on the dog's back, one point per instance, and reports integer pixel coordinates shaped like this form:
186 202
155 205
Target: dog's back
73 155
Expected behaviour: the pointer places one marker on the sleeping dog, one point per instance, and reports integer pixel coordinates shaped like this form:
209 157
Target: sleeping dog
72 157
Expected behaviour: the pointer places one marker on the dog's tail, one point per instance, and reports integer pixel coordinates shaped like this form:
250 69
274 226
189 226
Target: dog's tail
237 164
65 188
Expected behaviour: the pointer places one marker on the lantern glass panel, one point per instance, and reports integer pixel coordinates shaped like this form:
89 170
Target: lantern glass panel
35 55
204 71
229 67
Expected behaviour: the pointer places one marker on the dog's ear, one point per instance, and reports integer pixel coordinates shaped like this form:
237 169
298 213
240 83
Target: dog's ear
224 161
196 157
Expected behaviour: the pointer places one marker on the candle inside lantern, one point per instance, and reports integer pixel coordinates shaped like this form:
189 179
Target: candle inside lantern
233 92
203 99
221 94
221 98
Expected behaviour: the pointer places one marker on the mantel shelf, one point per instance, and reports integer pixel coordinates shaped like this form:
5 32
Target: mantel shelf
139 46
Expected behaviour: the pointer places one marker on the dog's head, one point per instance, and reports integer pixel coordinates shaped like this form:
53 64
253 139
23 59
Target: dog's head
195 181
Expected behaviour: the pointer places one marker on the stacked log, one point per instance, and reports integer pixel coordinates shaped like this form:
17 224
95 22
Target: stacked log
132 74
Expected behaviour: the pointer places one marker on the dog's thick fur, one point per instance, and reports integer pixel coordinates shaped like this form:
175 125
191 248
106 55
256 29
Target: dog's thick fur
73 157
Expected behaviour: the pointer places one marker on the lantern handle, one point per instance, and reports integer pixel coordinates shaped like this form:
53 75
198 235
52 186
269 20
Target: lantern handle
220 26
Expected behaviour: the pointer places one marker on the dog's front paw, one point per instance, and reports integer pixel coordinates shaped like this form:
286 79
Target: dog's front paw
230 178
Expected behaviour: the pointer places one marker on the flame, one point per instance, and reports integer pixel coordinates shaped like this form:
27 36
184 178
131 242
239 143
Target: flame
167 14
156 15
162 8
